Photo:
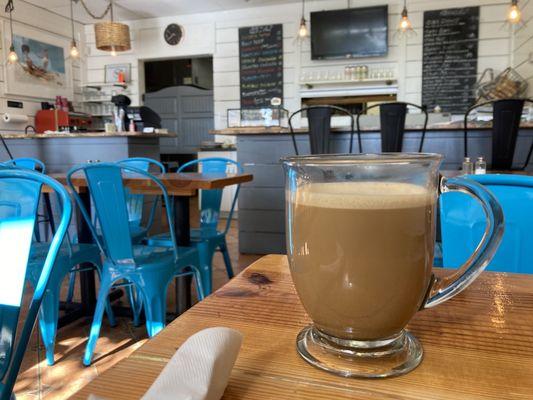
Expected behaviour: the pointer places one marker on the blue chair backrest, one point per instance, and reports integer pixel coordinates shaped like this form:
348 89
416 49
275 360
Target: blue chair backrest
27 163
19 198
108 193
463 223
135 202
212 198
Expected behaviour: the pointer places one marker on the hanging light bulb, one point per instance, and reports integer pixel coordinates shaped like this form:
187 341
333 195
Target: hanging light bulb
74 51
303 31
113 51
514 15
405 27
12 57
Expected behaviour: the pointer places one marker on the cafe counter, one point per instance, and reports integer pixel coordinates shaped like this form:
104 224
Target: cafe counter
60 151
261 202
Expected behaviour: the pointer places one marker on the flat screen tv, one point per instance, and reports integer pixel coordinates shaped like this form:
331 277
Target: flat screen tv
349 33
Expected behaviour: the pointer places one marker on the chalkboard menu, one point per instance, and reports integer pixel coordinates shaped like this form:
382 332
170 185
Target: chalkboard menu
450 58
261 65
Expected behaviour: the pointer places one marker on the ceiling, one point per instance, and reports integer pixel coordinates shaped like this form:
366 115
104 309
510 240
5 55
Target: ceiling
136 9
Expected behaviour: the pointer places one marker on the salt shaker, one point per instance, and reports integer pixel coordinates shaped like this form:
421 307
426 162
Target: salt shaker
481 166
468 166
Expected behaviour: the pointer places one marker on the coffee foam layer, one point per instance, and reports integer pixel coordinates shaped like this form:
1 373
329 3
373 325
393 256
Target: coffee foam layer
364 195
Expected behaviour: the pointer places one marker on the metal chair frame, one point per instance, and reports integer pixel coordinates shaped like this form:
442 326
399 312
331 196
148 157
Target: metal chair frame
343 110
407 104
475 106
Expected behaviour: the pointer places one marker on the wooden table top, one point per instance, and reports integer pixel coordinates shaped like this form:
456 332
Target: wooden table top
182 184
477 345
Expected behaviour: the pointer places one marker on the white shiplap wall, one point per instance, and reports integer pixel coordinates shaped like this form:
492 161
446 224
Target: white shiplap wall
217 34
34 17
523 46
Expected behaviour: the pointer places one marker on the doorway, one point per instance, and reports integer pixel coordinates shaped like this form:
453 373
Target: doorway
181 92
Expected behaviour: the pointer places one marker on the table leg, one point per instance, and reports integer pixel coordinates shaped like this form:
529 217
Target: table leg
182 229
75 311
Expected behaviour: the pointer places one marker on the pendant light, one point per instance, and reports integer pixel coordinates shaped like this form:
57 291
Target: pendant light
112 36
74 51
12 57
514 15
303 31
405 27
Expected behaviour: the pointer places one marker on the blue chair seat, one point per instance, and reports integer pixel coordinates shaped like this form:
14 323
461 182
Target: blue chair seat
138 232
463 223
153 256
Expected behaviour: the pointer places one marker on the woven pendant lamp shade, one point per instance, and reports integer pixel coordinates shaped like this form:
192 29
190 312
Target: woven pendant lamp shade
112 36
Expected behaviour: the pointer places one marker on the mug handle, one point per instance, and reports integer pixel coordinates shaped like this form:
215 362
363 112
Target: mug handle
442 289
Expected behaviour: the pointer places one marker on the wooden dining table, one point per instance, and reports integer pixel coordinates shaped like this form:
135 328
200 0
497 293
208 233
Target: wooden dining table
478 345
181 187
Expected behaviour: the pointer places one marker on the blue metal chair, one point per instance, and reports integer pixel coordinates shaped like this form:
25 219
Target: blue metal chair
148 268
19 198
68 259
208 238
463 223
135 203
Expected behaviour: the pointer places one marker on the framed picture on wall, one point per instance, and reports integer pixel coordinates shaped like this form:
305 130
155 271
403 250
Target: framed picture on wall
43 69
113 72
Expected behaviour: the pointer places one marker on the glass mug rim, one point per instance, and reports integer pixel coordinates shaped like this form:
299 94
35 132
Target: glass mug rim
362 158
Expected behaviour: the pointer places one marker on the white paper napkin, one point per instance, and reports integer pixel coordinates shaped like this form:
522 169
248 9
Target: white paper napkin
200 368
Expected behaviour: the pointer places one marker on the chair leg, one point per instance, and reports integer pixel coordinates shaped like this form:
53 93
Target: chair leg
199 286
48 317
227 260
71 286
206 250
135 304
101 304
154 292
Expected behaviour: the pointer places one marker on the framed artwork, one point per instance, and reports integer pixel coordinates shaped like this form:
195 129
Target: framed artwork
112 72
42 69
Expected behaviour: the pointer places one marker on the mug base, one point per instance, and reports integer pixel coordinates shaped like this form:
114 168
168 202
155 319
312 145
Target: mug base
360 359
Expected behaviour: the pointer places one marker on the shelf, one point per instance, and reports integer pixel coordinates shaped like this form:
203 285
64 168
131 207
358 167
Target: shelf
95 101
386 81
99 85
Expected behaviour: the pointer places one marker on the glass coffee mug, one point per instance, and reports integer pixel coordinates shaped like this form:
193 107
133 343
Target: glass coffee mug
360 242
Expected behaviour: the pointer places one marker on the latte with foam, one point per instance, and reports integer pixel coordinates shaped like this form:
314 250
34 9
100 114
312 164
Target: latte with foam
362 255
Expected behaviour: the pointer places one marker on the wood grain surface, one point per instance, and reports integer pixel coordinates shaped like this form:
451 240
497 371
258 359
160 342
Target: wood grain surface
182 184
478 345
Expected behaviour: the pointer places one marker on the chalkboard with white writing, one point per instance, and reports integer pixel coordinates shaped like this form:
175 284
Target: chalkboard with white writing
261 65
449 61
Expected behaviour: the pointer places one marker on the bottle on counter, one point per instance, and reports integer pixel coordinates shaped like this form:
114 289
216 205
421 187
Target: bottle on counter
132 126
480 166
468 166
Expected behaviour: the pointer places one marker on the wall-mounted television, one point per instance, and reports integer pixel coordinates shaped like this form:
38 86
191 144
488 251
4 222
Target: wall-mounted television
349 33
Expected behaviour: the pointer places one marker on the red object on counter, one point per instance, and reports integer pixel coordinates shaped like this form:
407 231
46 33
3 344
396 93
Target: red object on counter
52 120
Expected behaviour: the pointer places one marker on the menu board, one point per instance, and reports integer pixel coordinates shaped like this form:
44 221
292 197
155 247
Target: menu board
449 62
261 65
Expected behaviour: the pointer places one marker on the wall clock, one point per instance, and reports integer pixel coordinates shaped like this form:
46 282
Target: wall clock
173 34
